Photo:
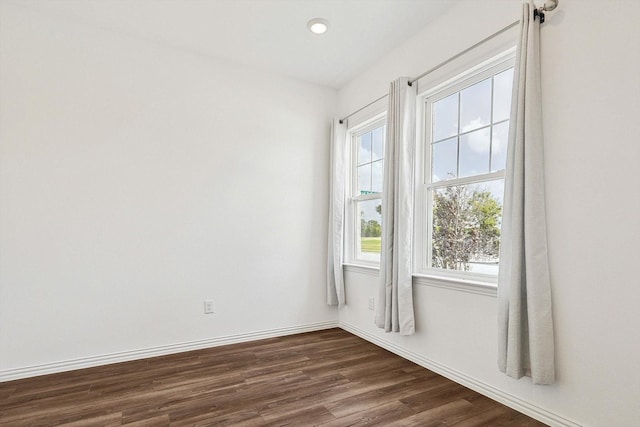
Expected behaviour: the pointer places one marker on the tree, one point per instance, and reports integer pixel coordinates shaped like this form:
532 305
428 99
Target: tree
466 227
370 228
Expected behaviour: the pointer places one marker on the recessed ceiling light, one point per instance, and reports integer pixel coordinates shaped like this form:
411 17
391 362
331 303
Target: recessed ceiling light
318 25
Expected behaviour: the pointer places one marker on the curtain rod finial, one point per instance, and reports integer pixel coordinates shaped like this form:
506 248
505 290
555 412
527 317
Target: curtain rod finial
549 5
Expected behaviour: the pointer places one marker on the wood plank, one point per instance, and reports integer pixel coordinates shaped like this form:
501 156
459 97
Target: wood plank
329 378
377 415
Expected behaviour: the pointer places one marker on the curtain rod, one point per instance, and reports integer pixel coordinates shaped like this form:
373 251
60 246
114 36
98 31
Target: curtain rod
467 50
440 65
548 6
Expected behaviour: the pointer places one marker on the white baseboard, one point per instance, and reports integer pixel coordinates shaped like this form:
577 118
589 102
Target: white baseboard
125 356
481 387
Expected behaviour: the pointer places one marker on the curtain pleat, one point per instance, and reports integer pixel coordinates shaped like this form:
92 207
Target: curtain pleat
525 324
394 310
335 244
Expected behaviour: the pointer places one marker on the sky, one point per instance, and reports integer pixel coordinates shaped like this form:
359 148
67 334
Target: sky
481 144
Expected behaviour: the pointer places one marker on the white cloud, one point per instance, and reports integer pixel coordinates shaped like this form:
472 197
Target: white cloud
478 141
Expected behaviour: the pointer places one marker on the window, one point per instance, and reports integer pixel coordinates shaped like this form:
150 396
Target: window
466 125
364 229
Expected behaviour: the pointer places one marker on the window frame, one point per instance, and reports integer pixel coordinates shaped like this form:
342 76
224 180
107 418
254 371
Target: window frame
352 223
422 250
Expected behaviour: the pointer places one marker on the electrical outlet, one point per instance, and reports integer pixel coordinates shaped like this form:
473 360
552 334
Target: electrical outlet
371 302
208 306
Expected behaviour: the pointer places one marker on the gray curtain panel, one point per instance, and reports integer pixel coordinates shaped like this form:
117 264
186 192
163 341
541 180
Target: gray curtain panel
525 324
394 309
335 244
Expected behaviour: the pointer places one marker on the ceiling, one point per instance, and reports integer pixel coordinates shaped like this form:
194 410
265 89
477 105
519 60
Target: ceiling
269 35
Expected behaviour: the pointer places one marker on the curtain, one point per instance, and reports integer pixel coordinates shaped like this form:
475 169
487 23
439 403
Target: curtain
338 155
525 325
394 311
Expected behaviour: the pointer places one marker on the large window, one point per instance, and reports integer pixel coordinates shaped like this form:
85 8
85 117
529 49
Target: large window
365 195
466 125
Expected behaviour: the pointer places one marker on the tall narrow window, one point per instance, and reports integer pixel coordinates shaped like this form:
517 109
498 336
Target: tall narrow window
366 192
466 132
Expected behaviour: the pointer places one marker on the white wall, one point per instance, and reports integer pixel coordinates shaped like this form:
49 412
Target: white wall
137 180
591 66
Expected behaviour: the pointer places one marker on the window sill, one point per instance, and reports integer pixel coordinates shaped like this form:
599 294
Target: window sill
463 285
371 270
455 284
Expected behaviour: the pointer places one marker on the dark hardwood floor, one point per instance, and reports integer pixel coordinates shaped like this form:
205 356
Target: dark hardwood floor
326 378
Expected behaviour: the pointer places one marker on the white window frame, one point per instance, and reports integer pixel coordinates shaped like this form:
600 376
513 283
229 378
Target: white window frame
352 218
423 203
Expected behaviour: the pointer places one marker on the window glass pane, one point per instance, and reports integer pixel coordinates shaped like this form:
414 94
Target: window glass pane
499 146
370 231
445 160
364 179
502 84
445 117
378 143
364 148
377 176
475 106
474 153
465 228
368 174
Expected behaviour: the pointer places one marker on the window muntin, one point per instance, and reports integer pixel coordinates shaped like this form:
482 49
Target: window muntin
370 148
366 192
466 129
